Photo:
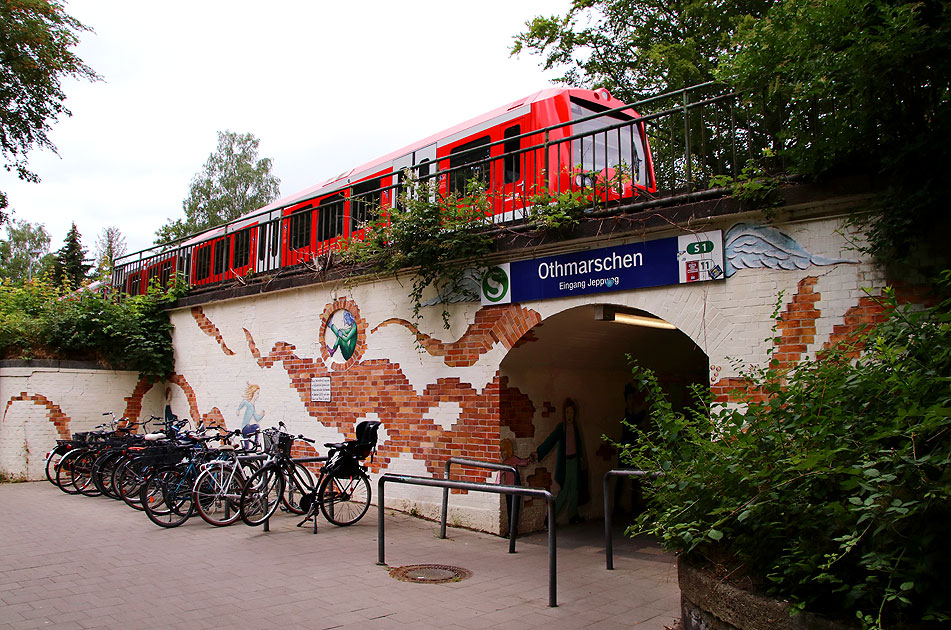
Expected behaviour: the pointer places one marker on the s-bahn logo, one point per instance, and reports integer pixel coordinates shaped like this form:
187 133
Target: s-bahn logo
497 285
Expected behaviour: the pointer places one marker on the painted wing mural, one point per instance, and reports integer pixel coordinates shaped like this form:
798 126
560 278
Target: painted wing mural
753 246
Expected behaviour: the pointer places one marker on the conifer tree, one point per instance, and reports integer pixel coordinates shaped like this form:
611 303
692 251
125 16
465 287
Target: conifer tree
70 267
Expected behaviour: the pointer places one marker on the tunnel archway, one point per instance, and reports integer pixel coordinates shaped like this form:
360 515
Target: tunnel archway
578 354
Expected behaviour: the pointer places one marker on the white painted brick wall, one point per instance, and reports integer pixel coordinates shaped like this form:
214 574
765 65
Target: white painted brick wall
26 431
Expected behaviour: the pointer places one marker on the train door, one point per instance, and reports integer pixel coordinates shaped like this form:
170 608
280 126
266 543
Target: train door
367 205
422 165
269 244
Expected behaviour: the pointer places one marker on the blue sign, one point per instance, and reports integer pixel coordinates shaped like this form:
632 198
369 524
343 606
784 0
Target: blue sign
675 260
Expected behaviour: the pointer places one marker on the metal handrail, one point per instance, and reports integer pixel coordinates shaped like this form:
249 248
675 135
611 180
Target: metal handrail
608 537
477 463
474 487
709 143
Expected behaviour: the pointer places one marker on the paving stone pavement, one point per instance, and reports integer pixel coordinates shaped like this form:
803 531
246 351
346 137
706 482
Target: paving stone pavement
80 562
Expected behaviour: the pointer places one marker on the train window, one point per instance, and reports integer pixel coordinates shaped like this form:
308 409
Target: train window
513 160
598 150
299 228
165 271
468 154
202 262
221 254
422 171
242 248
365 202
330 218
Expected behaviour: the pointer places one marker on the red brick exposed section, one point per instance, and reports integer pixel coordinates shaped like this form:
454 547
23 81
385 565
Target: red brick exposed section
380 387
210 329
189 392
53 412
797 325
797 328
517 410
214 419
503 324
133 403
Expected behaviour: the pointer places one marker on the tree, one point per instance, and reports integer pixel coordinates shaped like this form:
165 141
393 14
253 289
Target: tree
70 267
109 245
877 73
637 48
23 249
35 56
232 183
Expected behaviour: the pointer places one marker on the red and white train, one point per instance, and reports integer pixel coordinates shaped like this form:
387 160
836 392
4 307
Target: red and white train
552 141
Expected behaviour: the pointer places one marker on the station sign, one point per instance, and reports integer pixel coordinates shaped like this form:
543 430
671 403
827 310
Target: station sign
666 261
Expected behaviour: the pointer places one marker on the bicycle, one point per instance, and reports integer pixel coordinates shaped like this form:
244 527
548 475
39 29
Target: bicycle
216 494
343 490
279 480
166 495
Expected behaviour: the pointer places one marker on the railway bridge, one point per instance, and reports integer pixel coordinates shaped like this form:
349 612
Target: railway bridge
684 280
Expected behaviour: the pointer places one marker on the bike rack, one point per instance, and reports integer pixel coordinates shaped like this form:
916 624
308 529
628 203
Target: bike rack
608 538
476 463
474 487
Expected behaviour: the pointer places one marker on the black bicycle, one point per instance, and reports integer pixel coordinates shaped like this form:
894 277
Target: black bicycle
342 492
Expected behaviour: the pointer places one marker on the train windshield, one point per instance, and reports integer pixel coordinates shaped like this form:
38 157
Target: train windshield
610 141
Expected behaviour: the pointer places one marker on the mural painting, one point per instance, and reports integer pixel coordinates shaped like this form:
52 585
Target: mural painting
571 467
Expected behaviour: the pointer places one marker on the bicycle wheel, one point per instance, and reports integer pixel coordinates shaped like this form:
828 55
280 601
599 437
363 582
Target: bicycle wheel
64 472
301 484
261 495
52 462
344 499
128 480
102 471
217 494
82 474
167 497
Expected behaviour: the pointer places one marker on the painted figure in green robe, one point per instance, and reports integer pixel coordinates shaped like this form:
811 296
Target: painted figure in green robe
346 337
571 470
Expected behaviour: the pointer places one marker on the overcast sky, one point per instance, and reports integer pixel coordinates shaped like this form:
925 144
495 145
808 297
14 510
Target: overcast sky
325 86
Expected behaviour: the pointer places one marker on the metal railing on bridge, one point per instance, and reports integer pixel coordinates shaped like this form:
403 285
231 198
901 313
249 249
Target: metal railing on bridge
694 135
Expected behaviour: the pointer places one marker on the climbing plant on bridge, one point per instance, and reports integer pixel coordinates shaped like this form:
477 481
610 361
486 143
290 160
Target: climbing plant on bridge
436 235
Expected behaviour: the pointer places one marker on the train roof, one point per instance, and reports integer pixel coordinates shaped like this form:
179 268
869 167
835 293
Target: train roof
375 165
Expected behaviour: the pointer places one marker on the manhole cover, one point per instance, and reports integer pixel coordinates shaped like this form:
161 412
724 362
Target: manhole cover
430 573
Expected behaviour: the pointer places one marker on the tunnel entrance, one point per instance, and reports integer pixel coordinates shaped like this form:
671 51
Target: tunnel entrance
582 354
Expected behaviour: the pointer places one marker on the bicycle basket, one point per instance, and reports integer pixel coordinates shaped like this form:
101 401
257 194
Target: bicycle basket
268 439
284 443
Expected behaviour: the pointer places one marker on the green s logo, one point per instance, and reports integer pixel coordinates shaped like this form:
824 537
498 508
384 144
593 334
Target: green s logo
495 284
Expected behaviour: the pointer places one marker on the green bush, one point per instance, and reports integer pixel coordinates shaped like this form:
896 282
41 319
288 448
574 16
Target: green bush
127 333
830 485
